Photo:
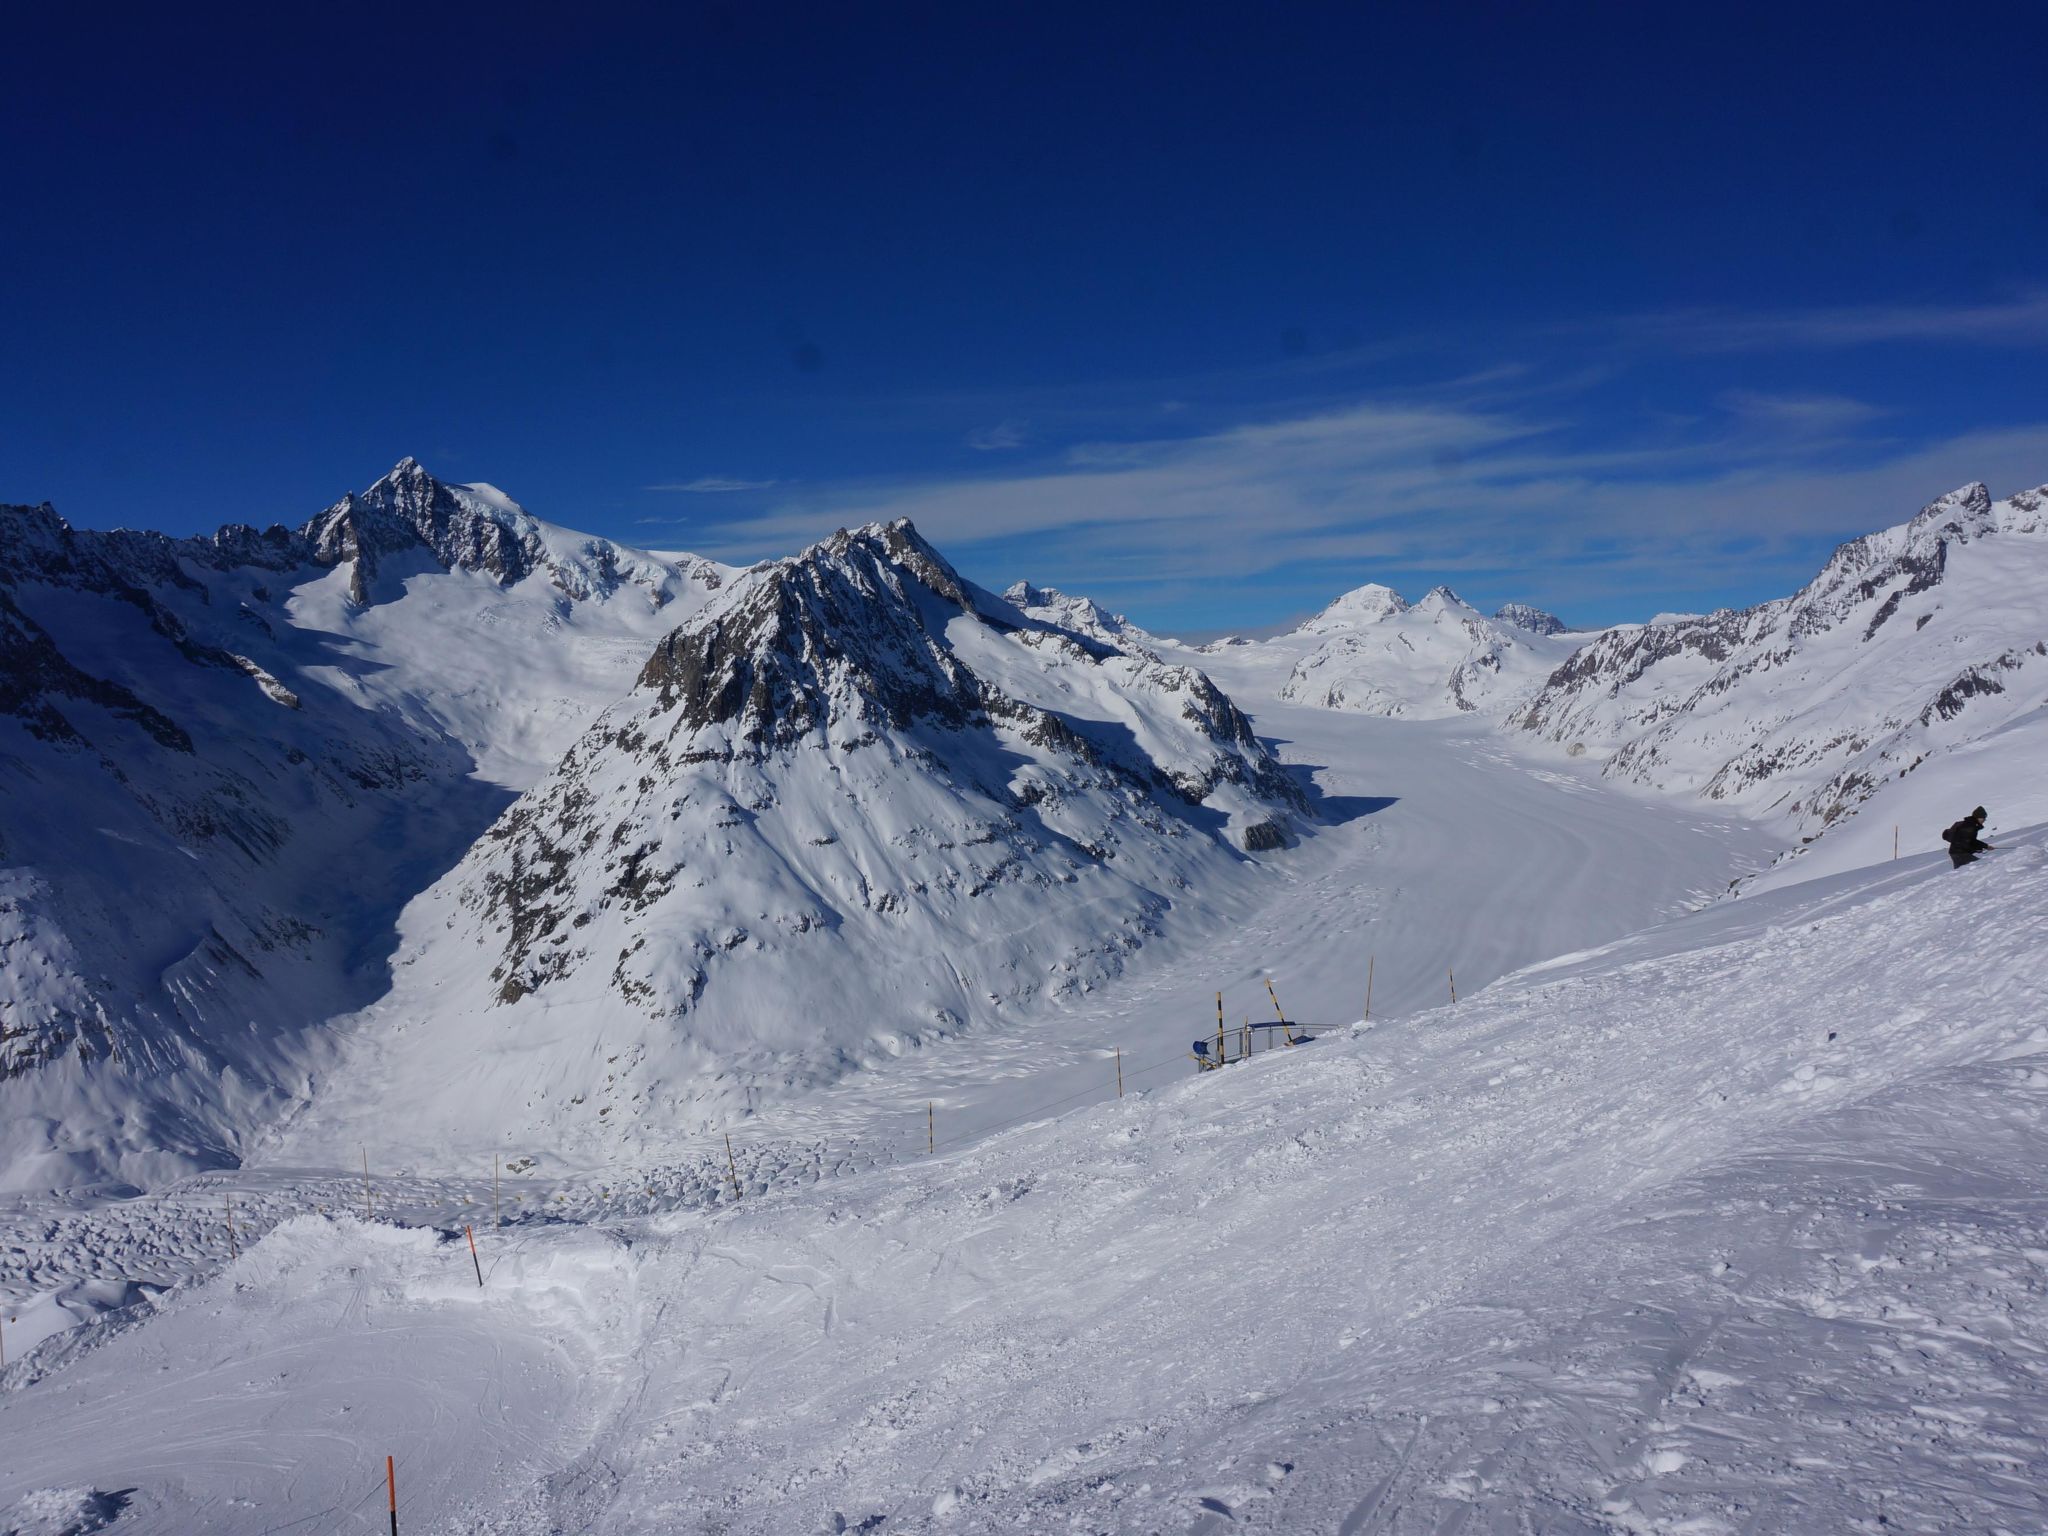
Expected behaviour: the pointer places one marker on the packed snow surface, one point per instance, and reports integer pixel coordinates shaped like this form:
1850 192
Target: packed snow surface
1733 1226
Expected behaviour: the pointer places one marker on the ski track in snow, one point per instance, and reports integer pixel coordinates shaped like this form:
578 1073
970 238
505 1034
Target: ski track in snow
1735 1225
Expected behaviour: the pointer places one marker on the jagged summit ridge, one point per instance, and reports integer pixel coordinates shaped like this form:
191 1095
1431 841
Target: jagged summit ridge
1535 620
1803 706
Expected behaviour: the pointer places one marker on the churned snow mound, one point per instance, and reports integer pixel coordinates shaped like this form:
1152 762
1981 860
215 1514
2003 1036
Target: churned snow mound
1910 643
1734 1226
852 807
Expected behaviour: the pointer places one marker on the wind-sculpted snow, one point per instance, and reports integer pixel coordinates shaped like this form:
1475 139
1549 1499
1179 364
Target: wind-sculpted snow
221 777
853 807
1908 643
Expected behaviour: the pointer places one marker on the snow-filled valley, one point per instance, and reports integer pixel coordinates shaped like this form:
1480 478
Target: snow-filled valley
789 975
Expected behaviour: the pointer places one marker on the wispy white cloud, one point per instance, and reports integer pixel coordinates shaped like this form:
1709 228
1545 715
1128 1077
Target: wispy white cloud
713 485
1441 486
1799 413
2021 321
1008 433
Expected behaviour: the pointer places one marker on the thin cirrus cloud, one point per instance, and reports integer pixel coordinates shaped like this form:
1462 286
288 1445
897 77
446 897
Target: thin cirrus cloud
1437 488
1556 482
1004 434
714 485
2020 321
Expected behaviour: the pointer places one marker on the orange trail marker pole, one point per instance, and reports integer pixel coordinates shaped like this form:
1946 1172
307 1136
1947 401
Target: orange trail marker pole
479 1263
234 1251
391 1487
931 1129
367 1214
1119 1071
1370 962
732 1168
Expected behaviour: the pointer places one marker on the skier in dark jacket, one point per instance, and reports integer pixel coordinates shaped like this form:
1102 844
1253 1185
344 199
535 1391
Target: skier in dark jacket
1964 839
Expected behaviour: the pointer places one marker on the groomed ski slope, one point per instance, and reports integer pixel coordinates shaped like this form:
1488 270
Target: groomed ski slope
1734 1226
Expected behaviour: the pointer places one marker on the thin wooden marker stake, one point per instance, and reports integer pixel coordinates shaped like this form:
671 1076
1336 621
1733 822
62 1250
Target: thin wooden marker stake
732 1168
367 1214
1119 1071
391 1486
234 1251
931 1128
479 1263
1454 984
1370 962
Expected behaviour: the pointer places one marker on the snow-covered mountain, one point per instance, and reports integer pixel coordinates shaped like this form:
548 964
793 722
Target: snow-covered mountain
1082 615
1910 643
1375 653
853 805
229 762
1535 620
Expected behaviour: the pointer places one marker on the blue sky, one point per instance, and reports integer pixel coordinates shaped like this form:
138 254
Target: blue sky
1209 311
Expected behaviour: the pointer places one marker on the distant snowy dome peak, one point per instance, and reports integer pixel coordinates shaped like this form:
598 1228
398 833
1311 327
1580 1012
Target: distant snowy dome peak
1364 605
1441 657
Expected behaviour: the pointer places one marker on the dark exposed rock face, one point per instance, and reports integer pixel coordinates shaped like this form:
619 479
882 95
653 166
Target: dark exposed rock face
1535 620
867 655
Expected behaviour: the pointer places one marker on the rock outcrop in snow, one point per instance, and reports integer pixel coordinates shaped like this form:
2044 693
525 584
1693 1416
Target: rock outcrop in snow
1080 615
1909 642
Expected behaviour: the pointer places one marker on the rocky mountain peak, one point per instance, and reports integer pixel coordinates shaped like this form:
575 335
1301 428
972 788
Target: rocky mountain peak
850 630
1535 620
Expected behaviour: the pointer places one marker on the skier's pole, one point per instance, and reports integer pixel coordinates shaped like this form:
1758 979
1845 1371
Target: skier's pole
479 1263
731 1168
1370 962
391 1486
